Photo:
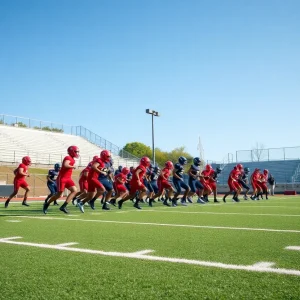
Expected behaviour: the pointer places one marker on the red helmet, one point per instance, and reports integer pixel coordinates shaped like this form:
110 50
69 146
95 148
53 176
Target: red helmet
145 161
26 160
105 155
73 151
169 165
95 157
266 171
208 167
125 171
239 166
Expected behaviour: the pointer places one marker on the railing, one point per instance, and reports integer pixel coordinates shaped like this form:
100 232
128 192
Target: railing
67 129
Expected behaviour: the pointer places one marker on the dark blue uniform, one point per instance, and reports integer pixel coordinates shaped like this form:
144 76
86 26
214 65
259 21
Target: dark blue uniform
178 182
106 179
153 181
194 183
243 180
52 174
147 181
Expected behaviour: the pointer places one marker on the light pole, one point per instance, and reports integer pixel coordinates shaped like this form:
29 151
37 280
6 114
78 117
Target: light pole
156 114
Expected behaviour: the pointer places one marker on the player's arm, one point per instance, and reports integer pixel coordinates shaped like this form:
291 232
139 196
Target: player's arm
48 178
67 165
175 174
23 173
137 172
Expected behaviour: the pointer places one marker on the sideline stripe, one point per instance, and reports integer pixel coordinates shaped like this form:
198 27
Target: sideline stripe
215 213
167 225
297 248
258 267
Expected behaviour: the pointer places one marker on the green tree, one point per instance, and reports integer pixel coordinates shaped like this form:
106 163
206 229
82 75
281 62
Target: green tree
138 149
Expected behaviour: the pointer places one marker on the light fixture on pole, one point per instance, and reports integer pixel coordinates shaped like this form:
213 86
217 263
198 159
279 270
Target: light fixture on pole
156 114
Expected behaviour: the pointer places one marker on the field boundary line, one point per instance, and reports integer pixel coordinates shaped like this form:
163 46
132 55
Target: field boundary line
46 218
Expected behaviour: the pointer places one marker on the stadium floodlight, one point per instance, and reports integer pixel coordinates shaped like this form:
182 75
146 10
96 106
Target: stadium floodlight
156 114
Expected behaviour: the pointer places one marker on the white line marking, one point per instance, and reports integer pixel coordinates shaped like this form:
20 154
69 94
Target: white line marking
143 252
297 248
167 225
66 244
264 264
218 213
13 221
141 255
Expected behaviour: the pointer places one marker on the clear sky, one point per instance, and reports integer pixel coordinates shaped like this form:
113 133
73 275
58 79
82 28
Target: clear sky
227 71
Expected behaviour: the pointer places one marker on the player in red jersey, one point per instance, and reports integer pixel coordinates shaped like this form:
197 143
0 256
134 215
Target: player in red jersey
233 184
119 183
95 187
20 180
255 182
163 183
136 183
83 183
64 180
263 183
204 179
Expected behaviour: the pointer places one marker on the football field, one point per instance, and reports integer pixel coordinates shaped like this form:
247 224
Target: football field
246 250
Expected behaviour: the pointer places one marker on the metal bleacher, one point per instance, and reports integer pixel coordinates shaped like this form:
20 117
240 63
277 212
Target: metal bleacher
283 170
47 148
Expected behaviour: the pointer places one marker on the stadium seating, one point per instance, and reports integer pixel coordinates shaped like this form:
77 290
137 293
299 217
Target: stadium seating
47 147
282 170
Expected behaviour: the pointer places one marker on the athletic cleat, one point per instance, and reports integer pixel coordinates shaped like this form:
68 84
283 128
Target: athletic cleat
25 203
80 206
201 201
63 209
45 207
6 203
216 201
136 205
183 203
150 202
105 207
245 197
92 204
112 202
166 203
189 200
224 199
174 202
55 203
120 203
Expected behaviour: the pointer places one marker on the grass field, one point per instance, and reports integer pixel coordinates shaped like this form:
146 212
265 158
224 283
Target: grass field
213 251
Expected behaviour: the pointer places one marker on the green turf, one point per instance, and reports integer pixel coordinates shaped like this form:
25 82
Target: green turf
35 273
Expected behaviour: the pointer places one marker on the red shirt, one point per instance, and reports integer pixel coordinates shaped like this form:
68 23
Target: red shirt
234 174
165 174
141 174
18 175
86 169
121 177
255 176
66 172
94 174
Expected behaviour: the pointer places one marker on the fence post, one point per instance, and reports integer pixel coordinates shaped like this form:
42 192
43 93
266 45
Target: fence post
268 154
283 153
34 185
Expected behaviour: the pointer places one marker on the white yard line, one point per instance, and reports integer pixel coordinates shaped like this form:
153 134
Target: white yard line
297 248
45 218
265 267
215 213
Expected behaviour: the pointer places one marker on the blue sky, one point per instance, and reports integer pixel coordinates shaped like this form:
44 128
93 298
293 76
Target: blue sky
227 71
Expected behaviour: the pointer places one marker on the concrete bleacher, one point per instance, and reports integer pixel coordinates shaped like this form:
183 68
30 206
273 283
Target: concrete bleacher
47 148
282 170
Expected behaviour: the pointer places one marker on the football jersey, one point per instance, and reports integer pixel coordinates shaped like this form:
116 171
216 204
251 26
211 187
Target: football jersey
52 174
18 175
178 169
66 172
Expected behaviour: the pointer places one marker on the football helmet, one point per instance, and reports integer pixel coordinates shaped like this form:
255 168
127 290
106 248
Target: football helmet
57 167
239 166
169 165
145 161
73 151
125 171
197 161
182 160
105 156
26 160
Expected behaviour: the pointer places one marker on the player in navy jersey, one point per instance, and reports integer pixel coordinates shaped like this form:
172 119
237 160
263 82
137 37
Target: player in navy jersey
51 182
178 182
244 181
194 183
153 179
147 180
118 171
107 182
